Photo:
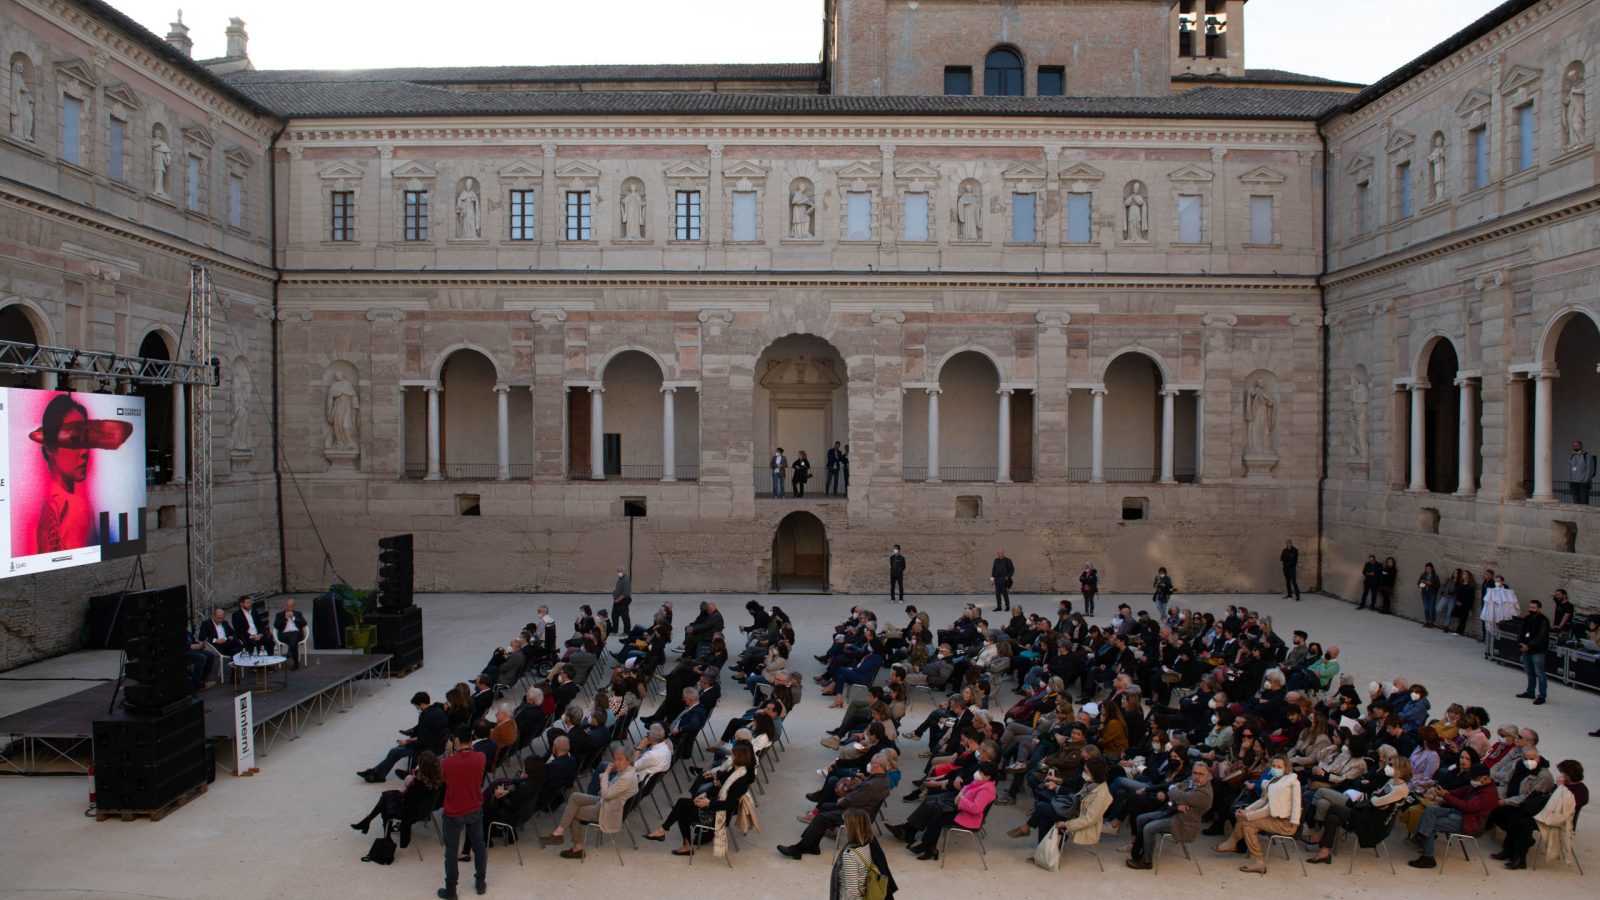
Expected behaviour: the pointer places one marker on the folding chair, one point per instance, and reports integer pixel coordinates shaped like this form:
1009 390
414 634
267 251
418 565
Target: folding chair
1452 840
1068 844
1161 841
976 834
1287 842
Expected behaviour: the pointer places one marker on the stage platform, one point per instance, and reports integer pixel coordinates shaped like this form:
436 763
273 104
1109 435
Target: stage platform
55 736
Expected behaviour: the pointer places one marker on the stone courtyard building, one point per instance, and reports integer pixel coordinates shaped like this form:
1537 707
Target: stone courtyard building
1122 301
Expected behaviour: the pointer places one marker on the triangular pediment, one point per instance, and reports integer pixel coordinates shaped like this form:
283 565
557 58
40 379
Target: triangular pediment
687 170
1401 141
743 169
1472 102
340 171
577 169
414 168
239 157
1358 162
76 69
1082 172
1190 173
1024 172
117 92
859 169
1262 175
916 171
520 169
1518 77
198 134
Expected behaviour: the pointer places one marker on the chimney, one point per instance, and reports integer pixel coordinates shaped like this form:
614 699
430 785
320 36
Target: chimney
179 36
237 39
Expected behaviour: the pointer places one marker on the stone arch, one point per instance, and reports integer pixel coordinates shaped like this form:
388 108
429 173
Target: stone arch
800 403
999 367
1438 366
1010 71
1419 363
444 356
1545 350
468 419
34 315
800 553
169 342
165 427
1570 347
1154 356
600 368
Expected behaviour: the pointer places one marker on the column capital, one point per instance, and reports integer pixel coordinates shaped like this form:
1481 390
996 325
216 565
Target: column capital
1416 386
1169 392
669 389
1099 390
1544 375
502 388
934 390
1006 391
597 389
1466 380
433 388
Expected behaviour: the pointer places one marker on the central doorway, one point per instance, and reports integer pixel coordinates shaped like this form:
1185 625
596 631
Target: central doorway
800 555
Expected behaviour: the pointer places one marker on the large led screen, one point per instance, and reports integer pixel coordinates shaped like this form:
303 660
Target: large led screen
72 478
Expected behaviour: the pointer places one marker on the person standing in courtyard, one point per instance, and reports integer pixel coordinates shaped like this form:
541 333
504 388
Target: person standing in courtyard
621 600
1386 582
802 473
1428 587
462 772
1371 576
1161 592
1089 584
1534 643
1001 575
1581 472
1290 558
897 575
844 468
831 486
780 471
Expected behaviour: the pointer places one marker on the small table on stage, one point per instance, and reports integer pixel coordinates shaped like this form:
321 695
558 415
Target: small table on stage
261 665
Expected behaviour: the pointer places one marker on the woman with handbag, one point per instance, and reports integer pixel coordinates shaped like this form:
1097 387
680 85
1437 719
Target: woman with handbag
972 805
860 871
1368 818
713 792
407 805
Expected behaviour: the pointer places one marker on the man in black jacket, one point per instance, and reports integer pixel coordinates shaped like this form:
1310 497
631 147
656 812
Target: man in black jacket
1534 643
250 628
429 734
290 627
1371 574
897 575
1290 557
708 623
1000 575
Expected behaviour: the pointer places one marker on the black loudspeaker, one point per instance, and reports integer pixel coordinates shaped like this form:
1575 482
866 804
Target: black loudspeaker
328 621
394 572
399 634
103 624
142 763
156 674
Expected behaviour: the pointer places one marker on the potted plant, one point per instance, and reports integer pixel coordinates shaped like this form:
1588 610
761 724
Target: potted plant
357 602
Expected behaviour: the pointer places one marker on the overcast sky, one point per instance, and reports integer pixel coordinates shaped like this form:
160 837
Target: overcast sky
1350 40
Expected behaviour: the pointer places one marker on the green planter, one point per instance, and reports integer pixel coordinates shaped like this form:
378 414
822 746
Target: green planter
360 637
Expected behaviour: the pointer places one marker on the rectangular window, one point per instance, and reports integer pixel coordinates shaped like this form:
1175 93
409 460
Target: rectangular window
1052 81
957 80
915 227
116 133
235 201
416 216
1402 185
686 216
1022 218
1363 208
342 216
1480 157
744 215
1188 219
858 216
192 184
579 222
71 130
1080 208
1261 220
1525 137
523 217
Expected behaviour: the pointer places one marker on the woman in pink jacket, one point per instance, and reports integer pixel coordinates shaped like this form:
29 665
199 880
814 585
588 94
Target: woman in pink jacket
972 802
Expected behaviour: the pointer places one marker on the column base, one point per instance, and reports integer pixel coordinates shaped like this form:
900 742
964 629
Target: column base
932 481
1167 481
504 476
668 480
597 478
1542 498
433 477
1098 479
1467 495
1002 481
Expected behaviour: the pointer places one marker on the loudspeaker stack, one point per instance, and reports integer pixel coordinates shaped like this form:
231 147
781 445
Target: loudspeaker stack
394 572
400 635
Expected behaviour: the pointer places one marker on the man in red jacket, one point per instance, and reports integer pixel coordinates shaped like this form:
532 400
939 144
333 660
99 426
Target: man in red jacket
1461 811
462 771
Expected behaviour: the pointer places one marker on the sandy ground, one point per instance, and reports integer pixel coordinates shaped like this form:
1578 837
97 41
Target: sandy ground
283 832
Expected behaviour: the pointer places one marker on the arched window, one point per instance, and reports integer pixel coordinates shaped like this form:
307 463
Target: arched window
1002 73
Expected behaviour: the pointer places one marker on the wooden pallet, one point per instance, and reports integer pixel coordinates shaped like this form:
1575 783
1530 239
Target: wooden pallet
401 673
154 815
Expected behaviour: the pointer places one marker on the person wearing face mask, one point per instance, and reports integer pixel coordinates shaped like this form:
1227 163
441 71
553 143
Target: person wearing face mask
1555 820
1517 816
1368 816
1276 812
1461 811
1530 781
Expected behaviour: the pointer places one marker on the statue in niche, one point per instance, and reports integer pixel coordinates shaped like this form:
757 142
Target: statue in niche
342 407
1261 415
467 220
1358 417
633 214
239 425
969 215
1574 116
1436 168
21 102
160 163
801 206
1135 213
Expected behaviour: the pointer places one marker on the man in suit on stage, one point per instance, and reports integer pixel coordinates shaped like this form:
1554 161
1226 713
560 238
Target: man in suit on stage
216 632
290 627
250 629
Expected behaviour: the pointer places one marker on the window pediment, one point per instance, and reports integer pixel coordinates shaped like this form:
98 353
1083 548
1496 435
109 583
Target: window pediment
1400 141
1359 162
1262 175
339 171
1519 77
1472 102
577 170
198 134
239 158
687 171
744 169
77 70
1024 172
1082 172
520 169
117 92
414 168
1190 173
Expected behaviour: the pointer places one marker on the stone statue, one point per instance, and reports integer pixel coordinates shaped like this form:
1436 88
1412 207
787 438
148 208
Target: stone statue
969 215
1436 168
1574 117
1358 417
1135 213
343 405
240 424
467 211
160 163
633 214
21 102
1261 414
800 208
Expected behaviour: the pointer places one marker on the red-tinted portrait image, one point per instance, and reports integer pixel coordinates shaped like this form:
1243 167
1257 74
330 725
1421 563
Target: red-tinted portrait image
71 459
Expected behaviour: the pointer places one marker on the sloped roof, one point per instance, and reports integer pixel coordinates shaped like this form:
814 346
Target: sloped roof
542 74
1268 76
